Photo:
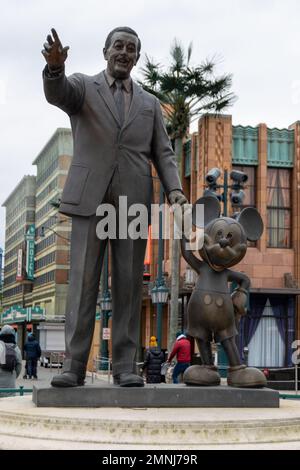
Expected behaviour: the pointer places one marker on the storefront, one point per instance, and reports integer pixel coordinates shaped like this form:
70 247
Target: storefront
23 320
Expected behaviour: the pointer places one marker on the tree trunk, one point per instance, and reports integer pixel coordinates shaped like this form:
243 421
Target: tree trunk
175 266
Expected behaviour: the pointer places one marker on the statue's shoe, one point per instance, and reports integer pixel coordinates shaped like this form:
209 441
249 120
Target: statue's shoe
67 379
206 376
246 377
128 380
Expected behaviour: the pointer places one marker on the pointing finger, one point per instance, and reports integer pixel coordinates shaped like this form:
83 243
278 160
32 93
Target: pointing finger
55 35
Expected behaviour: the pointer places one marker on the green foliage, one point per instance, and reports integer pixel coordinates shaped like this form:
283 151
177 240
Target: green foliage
185 91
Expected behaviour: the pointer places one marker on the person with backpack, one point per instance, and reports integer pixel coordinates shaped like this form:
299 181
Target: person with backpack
33 353
10 359
153 361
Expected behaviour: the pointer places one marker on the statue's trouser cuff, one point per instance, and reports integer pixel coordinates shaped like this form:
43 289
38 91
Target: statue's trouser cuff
78 368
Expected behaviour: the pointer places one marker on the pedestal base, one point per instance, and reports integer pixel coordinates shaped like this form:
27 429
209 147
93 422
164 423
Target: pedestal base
25 426
155 396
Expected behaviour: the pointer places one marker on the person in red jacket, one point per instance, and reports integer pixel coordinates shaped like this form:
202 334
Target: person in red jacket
182 351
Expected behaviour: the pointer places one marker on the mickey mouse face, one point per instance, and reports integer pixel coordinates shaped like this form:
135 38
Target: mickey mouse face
225 238
225 243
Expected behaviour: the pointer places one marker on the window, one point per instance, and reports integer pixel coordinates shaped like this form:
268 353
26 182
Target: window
267 346
279 208
12 292
45 261
45 174
44 278
45 243
268 330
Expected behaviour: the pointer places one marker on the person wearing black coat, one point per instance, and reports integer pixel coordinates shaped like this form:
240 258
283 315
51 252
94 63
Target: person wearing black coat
153 361
32 353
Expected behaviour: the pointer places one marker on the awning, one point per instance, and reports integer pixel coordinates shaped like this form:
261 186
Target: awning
279 291
17 314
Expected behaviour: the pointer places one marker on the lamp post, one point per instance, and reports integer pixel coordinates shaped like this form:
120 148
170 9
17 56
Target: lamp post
246 354
189 276
106 308
160 292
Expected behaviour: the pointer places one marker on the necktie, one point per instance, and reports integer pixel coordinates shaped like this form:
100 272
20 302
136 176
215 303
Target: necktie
119 99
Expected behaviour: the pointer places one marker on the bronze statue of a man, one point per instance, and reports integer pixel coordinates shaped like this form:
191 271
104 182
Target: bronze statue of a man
118 129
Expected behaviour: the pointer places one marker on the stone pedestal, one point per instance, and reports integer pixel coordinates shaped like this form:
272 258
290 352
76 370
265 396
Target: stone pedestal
26 426
155 396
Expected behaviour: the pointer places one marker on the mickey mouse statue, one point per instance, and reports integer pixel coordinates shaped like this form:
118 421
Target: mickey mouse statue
213 311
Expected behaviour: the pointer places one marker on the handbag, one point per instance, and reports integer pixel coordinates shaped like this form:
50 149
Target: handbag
164 368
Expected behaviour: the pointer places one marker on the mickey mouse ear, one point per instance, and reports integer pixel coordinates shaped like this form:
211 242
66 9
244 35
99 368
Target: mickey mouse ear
252 223
211 211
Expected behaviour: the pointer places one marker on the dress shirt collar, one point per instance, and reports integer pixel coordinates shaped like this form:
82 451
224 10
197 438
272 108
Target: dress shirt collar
127 83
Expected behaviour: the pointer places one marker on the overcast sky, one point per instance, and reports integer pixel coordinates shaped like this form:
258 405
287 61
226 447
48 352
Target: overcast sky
258 41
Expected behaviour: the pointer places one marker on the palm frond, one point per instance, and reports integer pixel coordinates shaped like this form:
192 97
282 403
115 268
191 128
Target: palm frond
189 53
185 91
177 55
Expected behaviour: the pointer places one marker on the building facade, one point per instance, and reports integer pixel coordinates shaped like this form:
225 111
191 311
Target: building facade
52 240
270 158
20 216
37 242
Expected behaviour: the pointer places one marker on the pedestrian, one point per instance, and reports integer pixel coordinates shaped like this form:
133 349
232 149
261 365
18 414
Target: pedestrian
153 361
118 128
32 353
182 351
11 359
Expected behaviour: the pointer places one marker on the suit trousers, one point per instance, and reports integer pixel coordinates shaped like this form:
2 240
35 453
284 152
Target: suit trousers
127 265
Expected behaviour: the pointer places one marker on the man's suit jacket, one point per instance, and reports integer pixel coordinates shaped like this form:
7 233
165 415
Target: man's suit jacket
101 144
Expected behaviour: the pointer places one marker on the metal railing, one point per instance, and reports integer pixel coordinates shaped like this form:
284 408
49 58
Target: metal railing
99 360
57 358
293 396
18 391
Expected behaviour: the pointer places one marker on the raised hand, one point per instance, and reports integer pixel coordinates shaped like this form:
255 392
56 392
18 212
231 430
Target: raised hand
55 54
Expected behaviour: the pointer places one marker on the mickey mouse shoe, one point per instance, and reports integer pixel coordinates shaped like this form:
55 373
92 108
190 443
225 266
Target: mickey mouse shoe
206 376
246 377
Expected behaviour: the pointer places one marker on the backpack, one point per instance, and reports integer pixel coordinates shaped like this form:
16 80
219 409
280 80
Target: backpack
10 357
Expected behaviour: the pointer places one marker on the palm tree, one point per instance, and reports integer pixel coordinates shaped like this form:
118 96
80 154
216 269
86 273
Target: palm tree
184 92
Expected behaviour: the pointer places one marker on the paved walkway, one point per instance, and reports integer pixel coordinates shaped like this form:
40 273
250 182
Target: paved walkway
44 377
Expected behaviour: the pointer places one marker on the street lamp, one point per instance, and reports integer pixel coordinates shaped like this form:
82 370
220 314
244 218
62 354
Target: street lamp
106 302
106 308
44 229
246 354
237 195
189 276
160 292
